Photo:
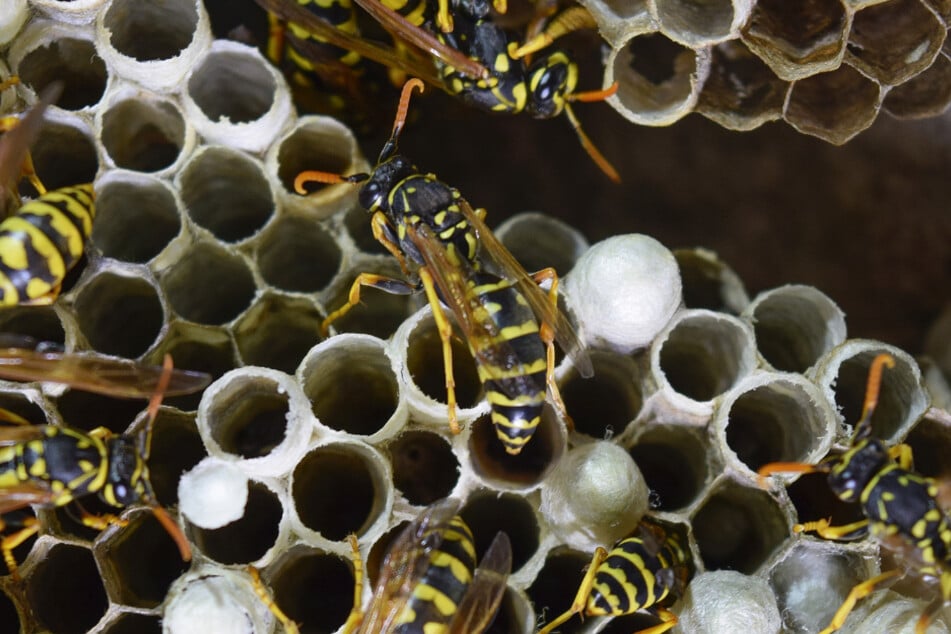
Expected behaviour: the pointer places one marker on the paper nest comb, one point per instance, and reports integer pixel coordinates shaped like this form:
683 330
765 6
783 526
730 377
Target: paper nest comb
196 141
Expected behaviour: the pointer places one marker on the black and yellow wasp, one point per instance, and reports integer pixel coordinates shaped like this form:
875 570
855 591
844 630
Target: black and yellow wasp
479 62
642 572
428 581
509 323
44 238
53 466
901 507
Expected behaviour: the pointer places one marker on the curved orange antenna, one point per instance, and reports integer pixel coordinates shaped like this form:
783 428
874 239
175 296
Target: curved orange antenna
593 95
174 531
404 104
603 164
155 402
315 176
874 386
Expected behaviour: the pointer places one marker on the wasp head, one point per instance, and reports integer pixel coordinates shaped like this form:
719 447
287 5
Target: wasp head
550 82
851 472
384 178
128 480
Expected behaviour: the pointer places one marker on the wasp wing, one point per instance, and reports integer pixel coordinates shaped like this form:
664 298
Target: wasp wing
501 261
98 374
16 434
482 600
405 564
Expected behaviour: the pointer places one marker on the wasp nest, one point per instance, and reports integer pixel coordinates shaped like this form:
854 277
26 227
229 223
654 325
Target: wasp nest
202 251
826 67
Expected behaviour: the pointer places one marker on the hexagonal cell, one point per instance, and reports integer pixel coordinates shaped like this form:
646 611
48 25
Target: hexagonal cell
246 539
812 580
176 448
555 587
351 384
531 466
927 94
145 134
65 591
658 80
232 85
742 92
424 467
147 32
339 489
208 285
931 444
119 314
40 323
775 417
248 417
605 404
487 513
64 154
137 216
378 313
276 332
70 60
894 41
795 326
315 589
709 282
675 464
226 192
696 23
833 106
201 348
424 362
738 527
134 623
139 562
561 248
798 39
299 255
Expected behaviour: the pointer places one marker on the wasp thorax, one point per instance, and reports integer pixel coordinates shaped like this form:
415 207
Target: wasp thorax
855 469
125 484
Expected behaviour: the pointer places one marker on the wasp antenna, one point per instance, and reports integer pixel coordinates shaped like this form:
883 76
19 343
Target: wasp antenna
594 95
404 105
872 389
174 531
316 176
603 164
155 402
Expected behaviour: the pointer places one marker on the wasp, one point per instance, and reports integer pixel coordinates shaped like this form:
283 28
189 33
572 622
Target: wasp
54 466
42 240
642 572
478 62
509 323
428 582
901 507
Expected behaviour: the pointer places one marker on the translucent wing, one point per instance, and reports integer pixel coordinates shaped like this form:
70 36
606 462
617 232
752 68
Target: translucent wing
94 373
405 564
452 281
482 600
423 68
14 435
16 497
501 261
15 143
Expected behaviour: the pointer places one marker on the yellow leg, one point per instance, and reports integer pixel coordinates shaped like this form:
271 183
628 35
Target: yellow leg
902 454
100 522
858 592
10 542
443 17
11 417
290 627
445 335
669 620
584 590
27 170
382 232
547 335
8 82
572 19
387 284
356 613
823 529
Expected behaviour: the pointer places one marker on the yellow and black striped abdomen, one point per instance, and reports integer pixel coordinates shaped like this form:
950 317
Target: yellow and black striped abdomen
42 242
513 365
437 595
636 575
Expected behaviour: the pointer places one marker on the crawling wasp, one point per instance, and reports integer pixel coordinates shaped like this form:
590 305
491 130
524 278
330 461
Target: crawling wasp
478 61
53 466
443 243
901 507
640 573
428 582
42 240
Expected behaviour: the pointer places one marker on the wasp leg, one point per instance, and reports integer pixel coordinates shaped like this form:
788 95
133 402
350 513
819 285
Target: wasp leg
11 417
572 19
855 530
443 17
276 32
584 590
902 454
290 627
31 526
858 592
445 334
548 337
669 620
383 233
356 613
926 617
383 283
8 82
27 170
